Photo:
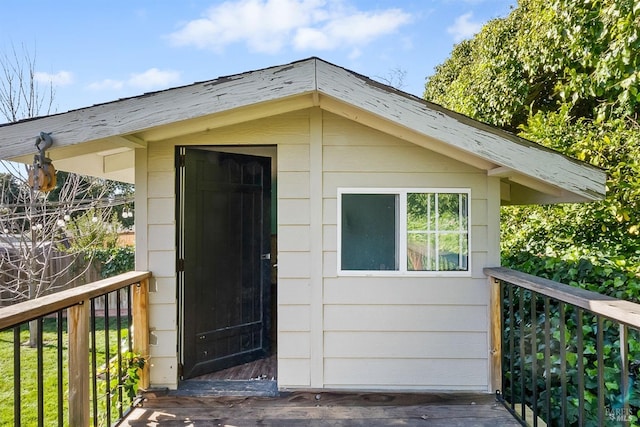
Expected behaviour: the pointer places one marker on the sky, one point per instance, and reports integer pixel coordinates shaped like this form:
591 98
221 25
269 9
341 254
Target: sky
96 51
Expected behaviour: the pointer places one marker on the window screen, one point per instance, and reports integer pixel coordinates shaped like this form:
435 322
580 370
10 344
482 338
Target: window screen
369 232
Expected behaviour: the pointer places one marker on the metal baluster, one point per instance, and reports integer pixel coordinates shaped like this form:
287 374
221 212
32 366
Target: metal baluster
624 372
522 354
94 366
119 350
563 364
107 358
547 355
17 401
40 371
511 346
503 320
60 324
580 350
129 321
534 358
600 353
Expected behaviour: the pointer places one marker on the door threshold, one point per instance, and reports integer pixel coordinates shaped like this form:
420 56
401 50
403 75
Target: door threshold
203 388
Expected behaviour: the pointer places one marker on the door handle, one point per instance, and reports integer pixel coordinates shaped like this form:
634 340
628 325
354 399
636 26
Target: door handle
265 256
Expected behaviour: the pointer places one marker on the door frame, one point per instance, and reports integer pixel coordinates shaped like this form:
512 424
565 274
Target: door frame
255 150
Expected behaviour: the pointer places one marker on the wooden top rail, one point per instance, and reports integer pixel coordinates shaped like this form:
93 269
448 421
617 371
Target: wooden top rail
619 310
22 312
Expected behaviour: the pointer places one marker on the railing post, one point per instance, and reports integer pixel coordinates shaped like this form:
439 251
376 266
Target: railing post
624 372
78 324
495 312
141 327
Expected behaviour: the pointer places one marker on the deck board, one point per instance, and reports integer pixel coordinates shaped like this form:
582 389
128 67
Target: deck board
259 369
322 409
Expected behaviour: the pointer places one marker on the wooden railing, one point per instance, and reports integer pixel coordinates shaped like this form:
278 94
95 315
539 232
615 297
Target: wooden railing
84 364
563 355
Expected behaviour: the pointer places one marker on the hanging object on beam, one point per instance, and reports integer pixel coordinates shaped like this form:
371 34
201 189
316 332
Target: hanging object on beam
42 175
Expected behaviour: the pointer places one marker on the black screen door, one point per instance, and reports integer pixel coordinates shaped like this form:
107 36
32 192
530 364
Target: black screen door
226 245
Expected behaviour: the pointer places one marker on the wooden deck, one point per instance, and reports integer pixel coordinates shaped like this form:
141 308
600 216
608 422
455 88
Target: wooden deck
264 369
247 395
315 409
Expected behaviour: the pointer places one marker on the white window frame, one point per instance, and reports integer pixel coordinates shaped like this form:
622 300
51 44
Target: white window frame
401 233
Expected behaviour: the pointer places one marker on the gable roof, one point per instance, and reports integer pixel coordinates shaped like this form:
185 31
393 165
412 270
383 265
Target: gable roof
101 139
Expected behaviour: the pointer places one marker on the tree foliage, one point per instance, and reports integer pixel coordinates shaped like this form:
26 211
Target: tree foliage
543 55
564 74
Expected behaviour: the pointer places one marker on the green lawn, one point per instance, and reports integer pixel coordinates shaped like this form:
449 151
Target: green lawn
28 372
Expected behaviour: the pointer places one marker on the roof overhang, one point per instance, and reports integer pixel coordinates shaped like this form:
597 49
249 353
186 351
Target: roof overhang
102 140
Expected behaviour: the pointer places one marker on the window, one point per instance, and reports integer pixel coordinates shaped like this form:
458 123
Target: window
406 231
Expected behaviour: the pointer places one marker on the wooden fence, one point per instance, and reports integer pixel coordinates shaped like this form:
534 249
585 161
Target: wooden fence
69 272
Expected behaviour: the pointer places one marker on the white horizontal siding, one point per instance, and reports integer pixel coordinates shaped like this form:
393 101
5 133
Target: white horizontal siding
294 258
479 210
395 333
293 185
407 291
290 132
376 159
479 260
404 345
160 241
426 333
293 211
479 238
294 265
294 318
162 237
161 210
421 373
161 184
294 291
408 318
294 158
294 372
294 345
164 290
163 263
290 128
293 238
164 372
160 343
401 179
160 157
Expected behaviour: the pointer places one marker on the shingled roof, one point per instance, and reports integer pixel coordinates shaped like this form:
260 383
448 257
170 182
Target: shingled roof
101 139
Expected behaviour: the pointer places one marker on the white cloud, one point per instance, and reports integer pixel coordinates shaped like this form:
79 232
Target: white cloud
61 78
153 78
463 27
353 30
269 26
107 84
355 54
471 2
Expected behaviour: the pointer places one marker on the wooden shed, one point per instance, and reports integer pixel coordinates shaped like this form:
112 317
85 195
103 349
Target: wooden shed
308 212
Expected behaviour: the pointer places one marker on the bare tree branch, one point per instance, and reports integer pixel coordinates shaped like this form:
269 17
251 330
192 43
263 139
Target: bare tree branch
46 246
20 93
394 78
